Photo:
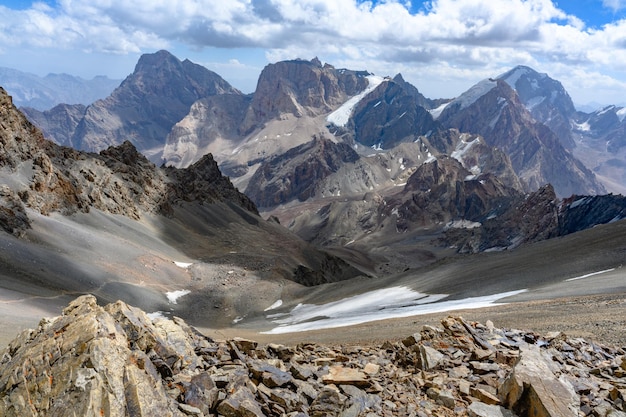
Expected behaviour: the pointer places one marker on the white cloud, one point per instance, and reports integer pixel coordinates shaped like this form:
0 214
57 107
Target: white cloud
614 5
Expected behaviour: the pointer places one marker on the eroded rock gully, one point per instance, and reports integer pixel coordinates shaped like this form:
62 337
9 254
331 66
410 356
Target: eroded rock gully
117 361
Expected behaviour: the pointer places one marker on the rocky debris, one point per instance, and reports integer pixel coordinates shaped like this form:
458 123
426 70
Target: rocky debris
13 217
115 360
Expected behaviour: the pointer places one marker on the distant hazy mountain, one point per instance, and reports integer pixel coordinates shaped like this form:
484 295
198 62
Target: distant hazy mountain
43 93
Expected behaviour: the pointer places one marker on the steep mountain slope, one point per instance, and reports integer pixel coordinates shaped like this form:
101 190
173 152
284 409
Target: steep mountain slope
59 123
211 126
43 93
389 115
493 110
597 139
114 224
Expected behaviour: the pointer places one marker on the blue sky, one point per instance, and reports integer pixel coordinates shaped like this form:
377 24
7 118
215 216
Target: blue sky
442 47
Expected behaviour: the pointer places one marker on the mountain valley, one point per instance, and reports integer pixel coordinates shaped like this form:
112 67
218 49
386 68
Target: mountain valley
328 198
359 177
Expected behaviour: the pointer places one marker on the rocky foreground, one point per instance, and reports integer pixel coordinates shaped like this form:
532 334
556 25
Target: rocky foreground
116 361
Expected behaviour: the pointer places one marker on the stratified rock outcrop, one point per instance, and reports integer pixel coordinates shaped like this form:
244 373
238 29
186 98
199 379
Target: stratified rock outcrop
118 361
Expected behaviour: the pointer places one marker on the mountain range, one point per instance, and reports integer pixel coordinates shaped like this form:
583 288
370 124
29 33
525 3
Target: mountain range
329 197
43 93
177 183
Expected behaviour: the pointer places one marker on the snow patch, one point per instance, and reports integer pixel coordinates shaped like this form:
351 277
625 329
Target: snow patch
590 275
341 116
183 265
535 101
173 296
582 127
437 112
463 147
473 94
374 305
462 224
621 114
515 76
605 110
156 315
277 304
578 202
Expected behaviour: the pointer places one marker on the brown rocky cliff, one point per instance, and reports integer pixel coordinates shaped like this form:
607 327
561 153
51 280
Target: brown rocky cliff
441 191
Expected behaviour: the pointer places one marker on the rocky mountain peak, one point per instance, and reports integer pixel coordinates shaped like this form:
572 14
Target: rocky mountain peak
300 88
161 60
494 110
143 109
204 182
392 113
119 180
546 100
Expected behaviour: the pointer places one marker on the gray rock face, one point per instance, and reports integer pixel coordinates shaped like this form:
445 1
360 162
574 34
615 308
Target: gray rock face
601 143
389 115
297 173
209 121
115 360
58 123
